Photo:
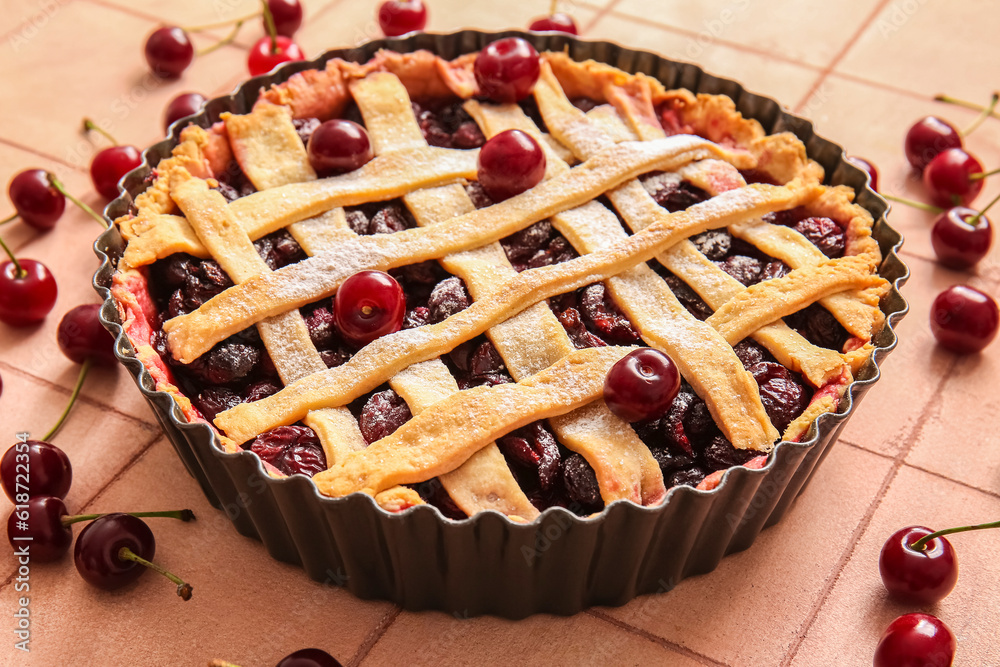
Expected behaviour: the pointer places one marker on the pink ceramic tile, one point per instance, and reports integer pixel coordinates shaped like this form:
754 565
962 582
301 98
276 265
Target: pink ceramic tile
810 33
23 19
858 610
247 608
439 639
749 610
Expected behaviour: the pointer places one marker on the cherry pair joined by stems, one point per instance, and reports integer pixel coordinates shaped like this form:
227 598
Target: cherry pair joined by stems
111 164
961 236
930 136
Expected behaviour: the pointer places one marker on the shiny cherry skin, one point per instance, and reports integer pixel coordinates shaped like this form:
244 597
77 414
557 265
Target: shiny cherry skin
947 178
47 468
35 199
867 167
642 385
928 137
26 299
369 305
916 640
557 22
510 163
309 657
287 16
81 336
958 243
918 577
507 69
98 544
337 146
398 17
964 319
110 165
185 104
263 58
169 52
50 539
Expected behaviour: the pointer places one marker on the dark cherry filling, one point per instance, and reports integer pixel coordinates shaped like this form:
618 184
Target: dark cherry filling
447 125
291 449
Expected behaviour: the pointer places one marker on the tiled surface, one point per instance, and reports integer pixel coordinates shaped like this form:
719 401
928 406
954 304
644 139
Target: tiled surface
921 449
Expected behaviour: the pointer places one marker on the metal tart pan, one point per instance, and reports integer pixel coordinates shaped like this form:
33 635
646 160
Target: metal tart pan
487 564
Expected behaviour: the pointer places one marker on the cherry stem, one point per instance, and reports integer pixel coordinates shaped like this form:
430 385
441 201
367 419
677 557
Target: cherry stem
972 221
10 218
553 7
182 515
18 271
922 542
915 204
183 588
963 103
57 184
272 30
983 174
91 126
221 663
222 24
986 113
228 39
84 369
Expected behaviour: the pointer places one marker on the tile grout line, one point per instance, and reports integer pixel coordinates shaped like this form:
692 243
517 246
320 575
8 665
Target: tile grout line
863 524
659 641
601 13
843 52
7 36
374 636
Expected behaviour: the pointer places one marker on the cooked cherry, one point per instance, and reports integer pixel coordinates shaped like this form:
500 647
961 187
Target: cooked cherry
916 640
642 385
40 520
918 576
384 412
964 319
398 17
46 471
182 106
948 178
369 305
961 237
110 166
929 137
36 200
557 22
169 52
867 167
510 163
292 450
265 56
309 657
81 336
507 69
337 146
287 16
26 296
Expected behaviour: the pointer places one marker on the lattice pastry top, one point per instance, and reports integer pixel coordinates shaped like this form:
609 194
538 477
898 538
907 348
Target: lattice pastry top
644 228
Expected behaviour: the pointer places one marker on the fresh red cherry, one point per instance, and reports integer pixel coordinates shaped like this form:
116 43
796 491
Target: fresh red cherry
337 146
26 296
916 640
948 178
867 167
115 549
918 576
510 163
36 200
369 305
40 520
264 57
642 385
398 17
557 22
507 69
182 106
928 137
110 166
169 52
81 336
961 237
35 468
964 319
309 657
287 16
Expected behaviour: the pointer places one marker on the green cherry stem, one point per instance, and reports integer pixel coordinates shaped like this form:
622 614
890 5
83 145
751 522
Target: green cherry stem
553 7
983 174
272 30
182 515
922 542
228 39
222 24
11 218
975 219
183 588
84 369
91 126
19 272
962 103
915 204
986 113
57 184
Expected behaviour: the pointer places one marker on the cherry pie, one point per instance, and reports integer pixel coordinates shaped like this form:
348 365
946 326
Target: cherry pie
665 219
